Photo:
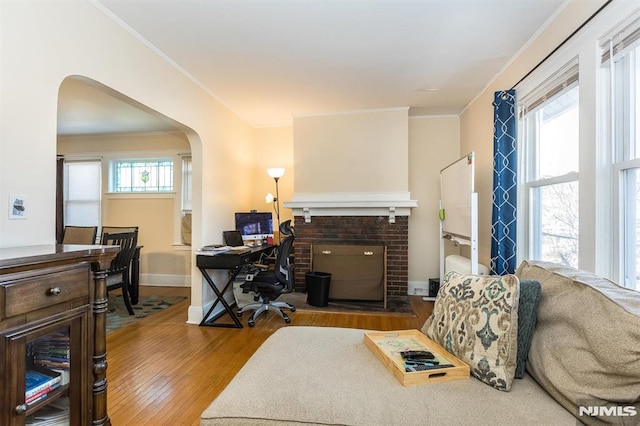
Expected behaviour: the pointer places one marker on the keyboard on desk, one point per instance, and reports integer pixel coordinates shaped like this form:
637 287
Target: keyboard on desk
230 259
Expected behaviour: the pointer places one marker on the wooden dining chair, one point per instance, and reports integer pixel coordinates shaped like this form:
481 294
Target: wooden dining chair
117 229
79 235
134 276
118 275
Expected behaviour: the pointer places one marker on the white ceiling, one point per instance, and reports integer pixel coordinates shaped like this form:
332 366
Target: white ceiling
268 60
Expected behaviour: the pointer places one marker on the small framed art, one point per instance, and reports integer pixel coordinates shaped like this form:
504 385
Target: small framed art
17 207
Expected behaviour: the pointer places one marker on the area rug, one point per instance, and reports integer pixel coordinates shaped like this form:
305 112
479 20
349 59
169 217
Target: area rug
396 305
118 317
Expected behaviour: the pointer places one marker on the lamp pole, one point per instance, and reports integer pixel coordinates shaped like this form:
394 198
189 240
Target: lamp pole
276 173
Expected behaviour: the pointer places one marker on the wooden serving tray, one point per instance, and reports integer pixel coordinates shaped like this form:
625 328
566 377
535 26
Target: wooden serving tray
387 345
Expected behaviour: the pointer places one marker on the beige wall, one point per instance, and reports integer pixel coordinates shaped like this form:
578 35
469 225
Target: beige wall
157 215
359 151
273 147
154 217
122 143
434 143
476 122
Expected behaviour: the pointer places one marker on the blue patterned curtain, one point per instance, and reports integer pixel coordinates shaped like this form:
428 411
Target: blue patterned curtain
503 223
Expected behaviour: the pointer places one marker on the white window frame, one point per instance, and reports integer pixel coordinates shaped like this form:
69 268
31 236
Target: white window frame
557 83
622 42
596 175
68 163
186 197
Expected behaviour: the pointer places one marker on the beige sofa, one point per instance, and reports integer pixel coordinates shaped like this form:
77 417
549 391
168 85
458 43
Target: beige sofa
585 351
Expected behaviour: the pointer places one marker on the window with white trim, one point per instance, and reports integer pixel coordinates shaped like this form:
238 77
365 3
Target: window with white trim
620 60
142 175
82 192
187 189
187 184
549 154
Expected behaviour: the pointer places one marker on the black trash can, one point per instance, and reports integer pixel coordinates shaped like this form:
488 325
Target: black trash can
318 288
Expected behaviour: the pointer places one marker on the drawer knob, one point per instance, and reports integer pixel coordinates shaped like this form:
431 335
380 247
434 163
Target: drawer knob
21 409
326 251
368 253
55 291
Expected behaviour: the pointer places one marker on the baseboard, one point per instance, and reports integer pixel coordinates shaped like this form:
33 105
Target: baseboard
420 288
165 280
195 314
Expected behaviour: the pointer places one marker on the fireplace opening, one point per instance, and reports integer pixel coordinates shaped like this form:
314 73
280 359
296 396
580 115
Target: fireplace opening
375 231
357 268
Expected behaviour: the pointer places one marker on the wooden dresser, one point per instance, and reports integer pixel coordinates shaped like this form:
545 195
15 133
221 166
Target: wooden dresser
53 305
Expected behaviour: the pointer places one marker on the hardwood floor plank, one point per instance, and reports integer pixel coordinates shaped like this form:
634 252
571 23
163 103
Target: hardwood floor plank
164 371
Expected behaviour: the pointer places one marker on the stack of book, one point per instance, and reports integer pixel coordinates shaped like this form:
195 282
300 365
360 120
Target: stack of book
48 366
39 383
53 351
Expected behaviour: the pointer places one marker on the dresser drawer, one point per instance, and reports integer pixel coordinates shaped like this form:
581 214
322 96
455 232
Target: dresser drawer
24 295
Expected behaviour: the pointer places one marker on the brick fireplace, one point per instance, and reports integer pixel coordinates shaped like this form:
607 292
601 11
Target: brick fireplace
355 228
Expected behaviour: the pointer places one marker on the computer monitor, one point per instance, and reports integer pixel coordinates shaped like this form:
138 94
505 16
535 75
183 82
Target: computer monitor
254 225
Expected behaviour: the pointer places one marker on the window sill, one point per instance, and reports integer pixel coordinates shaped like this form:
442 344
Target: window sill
124 195
181 247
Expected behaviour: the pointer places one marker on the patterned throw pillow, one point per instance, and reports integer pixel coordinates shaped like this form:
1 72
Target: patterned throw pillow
476 319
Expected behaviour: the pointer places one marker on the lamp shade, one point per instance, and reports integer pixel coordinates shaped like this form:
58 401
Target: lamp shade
276 172
269 198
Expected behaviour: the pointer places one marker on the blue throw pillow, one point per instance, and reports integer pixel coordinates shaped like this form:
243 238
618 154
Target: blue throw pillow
527 314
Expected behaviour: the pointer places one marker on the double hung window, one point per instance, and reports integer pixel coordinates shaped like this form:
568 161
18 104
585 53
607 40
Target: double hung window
82 192
549 135
620 60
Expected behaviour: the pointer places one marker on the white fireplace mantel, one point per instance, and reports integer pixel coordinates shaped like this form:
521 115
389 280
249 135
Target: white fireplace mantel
389 204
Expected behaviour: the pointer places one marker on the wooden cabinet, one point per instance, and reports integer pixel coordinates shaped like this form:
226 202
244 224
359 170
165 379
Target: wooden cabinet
53 305
358 269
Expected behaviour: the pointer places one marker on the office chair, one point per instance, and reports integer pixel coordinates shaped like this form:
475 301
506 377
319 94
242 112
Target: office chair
118 273
79 235
269 285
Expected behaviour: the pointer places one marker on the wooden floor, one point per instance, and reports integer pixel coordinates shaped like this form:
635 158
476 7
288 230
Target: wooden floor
163 371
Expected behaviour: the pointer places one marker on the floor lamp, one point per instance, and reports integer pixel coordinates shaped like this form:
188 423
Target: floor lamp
276 173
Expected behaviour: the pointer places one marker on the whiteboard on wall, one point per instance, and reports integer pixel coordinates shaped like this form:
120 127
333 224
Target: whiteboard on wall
456 189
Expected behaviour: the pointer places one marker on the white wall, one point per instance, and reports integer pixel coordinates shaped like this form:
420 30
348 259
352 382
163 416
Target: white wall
44 42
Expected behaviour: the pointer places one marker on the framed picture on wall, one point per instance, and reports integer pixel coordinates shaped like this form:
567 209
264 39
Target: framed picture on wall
17 207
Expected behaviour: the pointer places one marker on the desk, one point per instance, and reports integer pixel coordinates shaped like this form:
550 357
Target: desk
233 261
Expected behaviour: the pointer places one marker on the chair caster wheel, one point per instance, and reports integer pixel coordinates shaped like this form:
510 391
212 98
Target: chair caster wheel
251 323
287 320
293 309
239 314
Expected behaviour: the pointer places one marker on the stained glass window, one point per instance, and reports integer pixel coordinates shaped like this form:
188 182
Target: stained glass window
143 176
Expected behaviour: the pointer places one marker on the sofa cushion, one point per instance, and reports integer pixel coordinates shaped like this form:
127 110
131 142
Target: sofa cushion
586 345
527 314
328 376
475 317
